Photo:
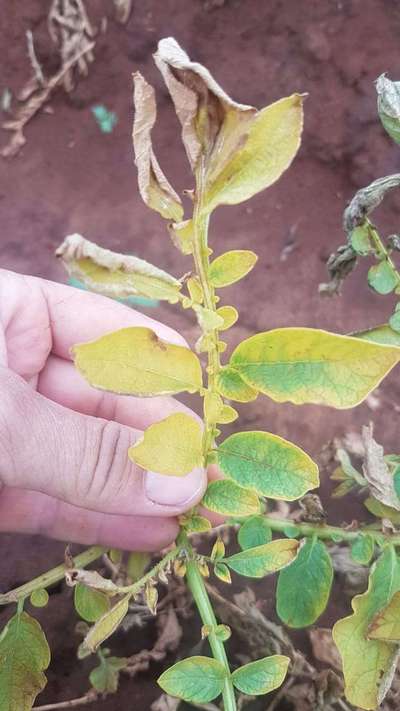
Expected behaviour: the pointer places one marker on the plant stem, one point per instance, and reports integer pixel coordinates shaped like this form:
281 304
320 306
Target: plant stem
152 573
88 698
51 577
382 251
197 588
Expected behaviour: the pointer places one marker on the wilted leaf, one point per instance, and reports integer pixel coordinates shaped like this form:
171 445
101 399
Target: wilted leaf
231 266
107 624
196 679
172 446
382 278
233 387
362 549
386 625
262 676
115 275
181 234
90 604
306 365
377 472
24 655
154 188
229 315
324 648
263 560
134 361
227 498
389 105
207 318
304 586
254 532
368 664
105 677
269 464
90 578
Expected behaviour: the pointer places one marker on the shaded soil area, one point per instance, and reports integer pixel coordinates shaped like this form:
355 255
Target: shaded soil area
71 177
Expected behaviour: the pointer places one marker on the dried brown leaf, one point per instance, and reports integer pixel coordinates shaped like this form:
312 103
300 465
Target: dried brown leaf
377 472
154 188
324 648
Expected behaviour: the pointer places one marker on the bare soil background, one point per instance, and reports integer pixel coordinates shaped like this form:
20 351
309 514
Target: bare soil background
71 177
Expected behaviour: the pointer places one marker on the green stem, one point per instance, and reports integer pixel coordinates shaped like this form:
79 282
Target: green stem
51 577
152 573
382 251
197 588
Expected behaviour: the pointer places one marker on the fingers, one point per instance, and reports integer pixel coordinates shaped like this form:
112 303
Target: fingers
82 460
39 316
61 382
31 512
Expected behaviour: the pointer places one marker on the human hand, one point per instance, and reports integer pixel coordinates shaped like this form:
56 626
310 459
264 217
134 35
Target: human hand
63 445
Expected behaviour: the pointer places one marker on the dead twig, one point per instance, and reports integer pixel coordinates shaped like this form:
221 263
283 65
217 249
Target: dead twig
85 700
71 31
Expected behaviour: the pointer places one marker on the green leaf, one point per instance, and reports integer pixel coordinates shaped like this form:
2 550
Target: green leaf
254 532
134 361
107 624
24 655
105 677
137 564
394 321
389 105
90 604
221 571
262 676
362 549
271 143
269 464
360 240
196 679
263 560
195 523
386 624
231 266
304 586
225 497
173 446
233 387
229 316
306 365
383 334
368 664
396 482
223 632
381 511
382 278
116 275
39 598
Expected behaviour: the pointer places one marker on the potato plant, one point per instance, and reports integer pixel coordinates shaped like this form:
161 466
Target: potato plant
235 151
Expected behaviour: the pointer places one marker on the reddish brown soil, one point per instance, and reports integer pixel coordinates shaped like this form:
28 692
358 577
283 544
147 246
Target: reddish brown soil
71 177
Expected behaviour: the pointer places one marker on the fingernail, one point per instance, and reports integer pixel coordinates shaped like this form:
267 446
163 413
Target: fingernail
175 490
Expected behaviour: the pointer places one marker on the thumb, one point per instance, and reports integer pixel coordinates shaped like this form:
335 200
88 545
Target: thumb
80 459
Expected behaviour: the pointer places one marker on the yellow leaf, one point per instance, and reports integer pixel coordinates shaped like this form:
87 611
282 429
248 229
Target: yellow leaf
306 365
208 319
229 315
181 234
271 142
195 290
107 624
115 275
231 266
232 386
386 624
172 446
154 188
134 361
228 414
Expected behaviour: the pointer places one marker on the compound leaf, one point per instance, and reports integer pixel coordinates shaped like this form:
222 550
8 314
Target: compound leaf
24 655
386 625
134 361
172 446
369 664
231 266
254 532
225 497
196 679
269 464
261 676
107 624
306 365
90 604
263 560
115 275
304 586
